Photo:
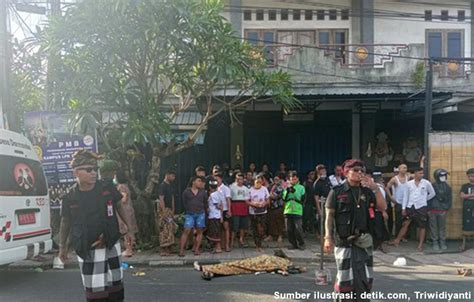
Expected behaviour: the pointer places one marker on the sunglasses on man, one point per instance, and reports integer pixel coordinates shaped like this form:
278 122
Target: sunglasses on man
358 169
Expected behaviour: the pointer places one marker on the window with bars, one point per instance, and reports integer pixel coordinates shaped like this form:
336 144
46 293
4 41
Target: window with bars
247 15
308 14
461 15
445 43
296 14
344 14
259 15
320 14
444 15
428 15
284 14
272 15
265 39
335 40
332 14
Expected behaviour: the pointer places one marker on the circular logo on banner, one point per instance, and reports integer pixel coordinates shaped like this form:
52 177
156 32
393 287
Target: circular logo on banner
24 176
88 140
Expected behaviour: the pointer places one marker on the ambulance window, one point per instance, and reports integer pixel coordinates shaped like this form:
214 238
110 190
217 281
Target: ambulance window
21 177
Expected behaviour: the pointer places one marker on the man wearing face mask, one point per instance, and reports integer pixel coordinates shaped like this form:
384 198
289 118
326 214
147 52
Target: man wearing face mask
438 209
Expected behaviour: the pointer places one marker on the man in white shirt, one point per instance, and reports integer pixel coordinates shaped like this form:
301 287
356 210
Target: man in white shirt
338 177
415 206
226 211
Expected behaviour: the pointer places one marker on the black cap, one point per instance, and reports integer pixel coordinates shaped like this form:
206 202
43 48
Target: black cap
470 171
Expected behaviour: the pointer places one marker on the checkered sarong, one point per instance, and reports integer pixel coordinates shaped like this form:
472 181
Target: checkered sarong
354 269
102 274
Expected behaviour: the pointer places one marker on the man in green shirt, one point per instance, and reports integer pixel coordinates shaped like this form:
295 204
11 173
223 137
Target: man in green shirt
293 197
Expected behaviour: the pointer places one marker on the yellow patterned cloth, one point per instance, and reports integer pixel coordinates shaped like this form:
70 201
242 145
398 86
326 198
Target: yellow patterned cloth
263 263
167 228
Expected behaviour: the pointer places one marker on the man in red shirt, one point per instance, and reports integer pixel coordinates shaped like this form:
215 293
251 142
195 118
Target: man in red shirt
240 196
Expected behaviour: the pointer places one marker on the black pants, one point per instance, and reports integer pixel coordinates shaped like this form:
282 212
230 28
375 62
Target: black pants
398 218
295 230
390 221
309 218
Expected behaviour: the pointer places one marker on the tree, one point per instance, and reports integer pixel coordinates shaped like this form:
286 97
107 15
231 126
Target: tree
27 78
148 61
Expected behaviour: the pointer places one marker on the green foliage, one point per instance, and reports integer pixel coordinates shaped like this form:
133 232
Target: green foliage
135 58
27 78
418 76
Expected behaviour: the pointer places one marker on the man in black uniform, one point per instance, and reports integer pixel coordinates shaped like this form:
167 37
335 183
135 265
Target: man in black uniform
89 212
321 188
467 195
350 211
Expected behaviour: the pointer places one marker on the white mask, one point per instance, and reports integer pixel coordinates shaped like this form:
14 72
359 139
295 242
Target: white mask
323 176
442 178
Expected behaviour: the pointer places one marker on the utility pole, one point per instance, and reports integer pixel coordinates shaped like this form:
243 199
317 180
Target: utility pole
4 64
55 6
428 117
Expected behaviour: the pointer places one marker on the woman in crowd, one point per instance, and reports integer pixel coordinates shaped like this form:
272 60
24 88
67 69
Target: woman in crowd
129 239
253 168
276 219
259 200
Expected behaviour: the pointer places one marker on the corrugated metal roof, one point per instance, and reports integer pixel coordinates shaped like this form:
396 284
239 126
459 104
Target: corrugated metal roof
335 89
187 118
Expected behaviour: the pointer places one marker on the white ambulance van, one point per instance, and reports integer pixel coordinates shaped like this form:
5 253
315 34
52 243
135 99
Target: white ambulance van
25 229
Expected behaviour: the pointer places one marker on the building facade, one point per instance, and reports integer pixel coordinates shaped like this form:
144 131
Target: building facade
358 67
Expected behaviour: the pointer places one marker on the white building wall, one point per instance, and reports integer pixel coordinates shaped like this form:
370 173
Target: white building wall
296 24
386 30
409 31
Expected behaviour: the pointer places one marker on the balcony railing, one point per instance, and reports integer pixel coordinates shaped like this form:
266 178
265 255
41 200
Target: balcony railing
349 55
361 56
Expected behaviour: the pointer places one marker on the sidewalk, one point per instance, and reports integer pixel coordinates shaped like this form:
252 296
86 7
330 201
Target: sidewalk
309 256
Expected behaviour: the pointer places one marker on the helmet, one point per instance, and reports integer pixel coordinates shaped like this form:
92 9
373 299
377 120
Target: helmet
438 173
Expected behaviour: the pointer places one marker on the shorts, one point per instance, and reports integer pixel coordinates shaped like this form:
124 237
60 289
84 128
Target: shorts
240 223
195 220
224 215
419 216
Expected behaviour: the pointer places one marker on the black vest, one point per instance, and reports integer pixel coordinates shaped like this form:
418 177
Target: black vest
79 219
345 231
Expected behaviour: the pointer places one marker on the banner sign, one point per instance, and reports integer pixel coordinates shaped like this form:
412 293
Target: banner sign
50 134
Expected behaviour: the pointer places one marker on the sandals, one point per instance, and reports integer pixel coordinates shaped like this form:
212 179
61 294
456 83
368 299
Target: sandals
181 255
242 245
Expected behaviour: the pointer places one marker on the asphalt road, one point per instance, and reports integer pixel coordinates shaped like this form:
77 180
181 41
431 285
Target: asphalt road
185 284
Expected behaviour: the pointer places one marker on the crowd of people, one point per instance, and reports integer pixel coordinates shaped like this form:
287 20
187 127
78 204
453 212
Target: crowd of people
226 205
358 209
224 208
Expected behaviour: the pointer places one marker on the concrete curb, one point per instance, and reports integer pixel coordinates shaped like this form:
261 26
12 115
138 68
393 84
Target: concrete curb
28 264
